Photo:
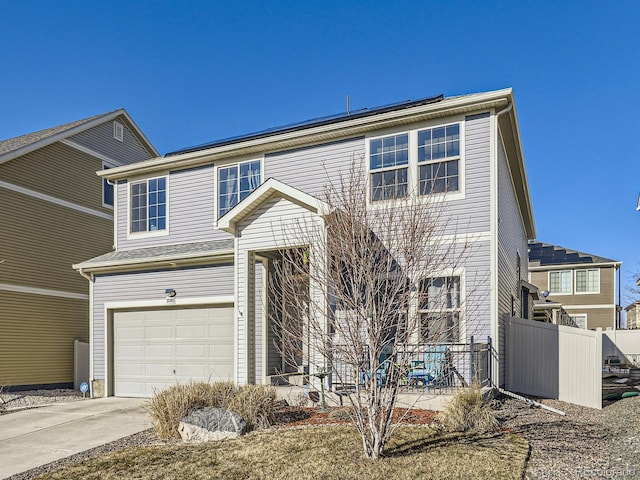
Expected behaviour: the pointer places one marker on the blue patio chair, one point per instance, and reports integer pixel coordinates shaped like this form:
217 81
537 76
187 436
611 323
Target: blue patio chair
433 370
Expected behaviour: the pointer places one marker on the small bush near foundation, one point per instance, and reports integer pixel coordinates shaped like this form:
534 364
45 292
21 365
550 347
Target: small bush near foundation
466 412
254 402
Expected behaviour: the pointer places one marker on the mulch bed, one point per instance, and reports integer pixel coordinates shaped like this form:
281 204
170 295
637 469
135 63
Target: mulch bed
296 417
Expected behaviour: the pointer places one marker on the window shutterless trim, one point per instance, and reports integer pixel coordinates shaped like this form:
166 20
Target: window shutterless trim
146 233
551 292
216 178
575 279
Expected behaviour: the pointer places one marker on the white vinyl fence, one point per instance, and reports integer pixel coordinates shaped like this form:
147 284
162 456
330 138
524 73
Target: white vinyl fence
624 344
554 361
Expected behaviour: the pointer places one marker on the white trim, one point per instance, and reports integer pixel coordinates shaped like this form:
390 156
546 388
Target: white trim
105 159
589 307
586 319
413 166
237 163
228 221
555 294
146 233
118 131
496 365
573 266
91 340
349 127
57 201
575 281
142 304
43 291
162 302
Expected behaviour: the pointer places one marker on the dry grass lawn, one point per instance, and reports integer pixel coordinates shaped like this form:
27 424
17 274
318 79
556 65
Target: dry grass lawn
326 452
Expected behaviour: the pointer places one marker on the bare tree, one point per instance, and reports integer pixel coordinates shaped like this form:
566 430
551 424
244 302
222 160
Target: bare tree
362 291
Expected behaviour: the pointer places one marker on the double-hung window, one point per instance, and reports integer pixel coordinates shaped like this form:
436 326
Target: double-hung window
388 166
438 159
439 309
588 281
560 282
235 182
148 200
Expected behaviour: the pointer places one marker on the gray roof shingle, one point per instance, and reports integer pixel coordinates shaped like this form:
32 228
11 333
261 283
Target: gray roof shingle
164 252
11 144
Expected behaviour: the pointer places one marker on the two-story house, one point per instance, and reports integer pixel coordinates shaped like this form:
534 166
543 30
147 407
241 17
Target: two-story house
584 284
183 295
55 212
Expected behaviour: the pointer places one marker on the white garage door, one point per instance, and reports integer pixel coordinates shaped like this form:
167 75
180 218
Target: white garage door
154 349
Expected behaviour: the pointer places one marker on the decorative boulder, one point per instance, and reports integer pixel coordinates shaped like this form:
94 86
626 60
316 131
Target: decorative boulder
211 424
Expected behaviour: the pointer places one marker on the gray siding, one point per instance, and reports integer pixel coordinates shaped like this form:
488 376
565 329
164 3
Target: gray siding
477 299
190 282
309 169
512 241
100 139
191 211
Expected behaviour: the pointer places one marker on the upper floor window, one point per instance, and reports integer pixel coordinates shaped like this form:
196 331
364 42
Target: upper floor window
560 282
389 159
438 155
588 281
148 205
107 190
235 182
439 309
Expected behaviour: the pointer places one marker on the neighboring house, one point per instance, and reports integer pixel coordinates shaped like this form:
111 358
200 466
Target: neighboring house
633 315
184 295
55 212
584 284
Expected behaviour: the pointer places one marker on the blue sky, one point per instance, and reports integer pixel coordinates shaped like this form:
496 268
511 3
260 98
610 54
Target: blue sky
192 72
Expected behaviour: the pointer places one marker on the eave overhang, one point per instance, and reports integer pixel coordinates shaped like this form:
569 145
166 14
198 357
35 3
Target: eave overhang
345 128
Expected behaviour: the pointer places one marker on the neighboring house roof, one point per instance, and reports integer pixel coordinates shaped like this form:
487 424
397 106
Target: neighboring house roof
18 146
271 186
166 253
546 255
357 124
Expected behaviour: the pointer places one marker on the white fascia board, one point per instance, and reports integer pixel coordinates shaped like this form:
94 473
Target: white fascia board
162 302
139 132
322 133
228 221
573 266
155 261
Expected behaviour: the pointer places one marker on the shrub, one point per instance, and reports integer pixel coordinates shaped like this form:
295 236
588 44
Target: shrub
466 412
255 403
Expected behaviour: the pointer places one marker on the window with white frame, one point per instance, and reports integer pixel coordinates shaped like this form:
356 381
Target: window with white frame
580 320
438 159
388 166
235 182
560 282
588 281
107 190
439 309
148 200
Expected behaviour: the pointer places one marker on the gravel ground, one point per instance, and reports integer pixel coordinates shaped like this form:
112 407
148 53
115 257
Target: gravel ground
583 444
10 401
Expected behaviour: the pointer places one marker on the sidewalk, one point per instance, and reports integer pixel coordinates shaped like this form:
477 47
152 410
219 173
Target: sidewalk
38 436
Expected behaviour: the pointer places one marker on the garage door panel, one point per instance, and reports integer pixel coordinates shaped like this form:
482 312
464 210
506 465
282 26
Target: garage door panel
192 331
155 349
159 332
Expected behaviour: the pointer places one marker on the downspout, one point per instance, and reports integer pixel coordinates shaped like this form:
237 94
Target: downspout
495 326
90 278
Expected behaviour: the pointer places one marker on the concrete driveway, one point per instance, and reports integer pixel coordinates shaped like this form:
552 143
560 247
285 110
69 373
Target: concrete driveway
38 436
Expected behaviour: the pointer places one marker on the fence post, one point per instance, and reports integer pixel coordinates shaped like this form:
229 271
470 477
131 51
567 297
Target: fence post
598 369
